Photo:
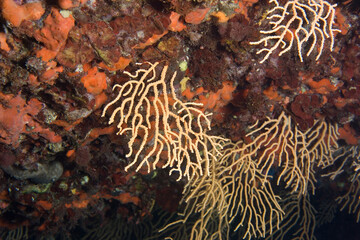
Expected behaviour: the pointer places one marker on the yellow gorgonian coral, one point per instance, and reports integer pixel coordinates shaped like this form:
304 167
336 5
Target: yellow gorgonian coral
163 130
304 24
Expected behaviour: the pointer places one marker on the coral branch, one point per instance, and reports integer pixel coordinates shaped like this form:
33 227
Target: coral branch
158 122
303 23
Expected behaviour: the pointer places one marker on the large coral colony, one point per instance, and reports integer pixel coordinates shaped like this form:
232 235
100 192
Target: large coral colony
179 119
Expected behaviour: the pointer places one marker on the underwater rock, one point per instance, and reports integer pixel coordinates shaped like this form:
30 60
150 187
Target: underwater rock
45 172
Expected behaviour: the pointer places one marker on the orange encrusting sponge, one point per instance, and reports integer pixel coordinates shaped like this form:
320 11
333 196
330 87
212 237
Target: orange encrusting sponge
15 14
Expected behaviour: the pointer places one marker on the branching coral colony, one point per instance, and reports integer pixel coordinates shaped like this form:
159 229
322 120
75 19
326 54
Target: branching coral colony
279 142
349 155
161 126
235 192
303 23
227 182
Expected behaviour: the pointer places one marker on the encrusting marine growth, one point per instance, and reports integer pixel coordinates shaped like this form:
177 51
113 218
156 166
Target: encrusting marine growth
256 136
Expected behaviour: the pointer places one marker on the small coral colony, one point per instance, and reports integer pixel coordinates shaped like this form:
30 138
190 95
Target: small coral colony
179 119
